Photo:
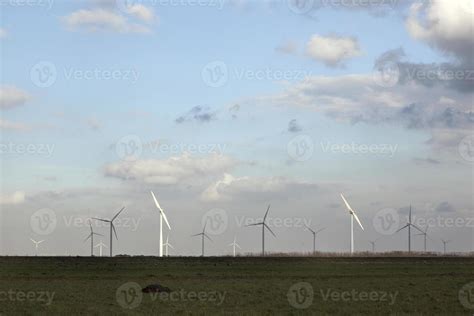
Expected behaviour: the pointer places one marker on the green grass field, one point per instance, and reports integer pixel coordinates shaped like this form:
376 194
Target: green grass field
236 286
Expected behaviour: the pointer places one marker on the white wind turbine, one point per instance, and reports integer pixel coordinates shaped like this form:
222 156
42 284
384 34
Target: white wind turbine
203 234
112 227
234 244
353 215
100 245
167 244
162 216
264 225
36 245
91 236
314 236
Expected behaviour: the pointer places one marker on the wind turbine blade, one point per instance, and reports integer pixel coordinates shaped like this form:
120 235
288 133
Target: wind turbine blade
100 219
113 228
347 204
166 219
98 234
266 213
308 228
196 235
34 241
237 245
358 220
113 218
417 228
254 224
39 242
402 228
205 235
320 230
88 237
269 229
169 245
161 210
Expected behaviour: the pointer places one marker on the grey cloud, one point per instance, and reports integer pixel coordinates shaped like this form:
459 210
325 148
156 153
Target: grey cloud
445 207
198 114
294 126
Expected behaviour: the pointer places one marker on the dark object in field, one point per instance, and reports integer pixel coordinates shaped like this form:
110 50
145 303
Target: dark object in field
155 288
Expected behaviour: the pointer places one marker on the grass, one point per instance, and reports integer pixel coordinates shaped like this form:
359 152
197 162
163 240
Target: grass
237 286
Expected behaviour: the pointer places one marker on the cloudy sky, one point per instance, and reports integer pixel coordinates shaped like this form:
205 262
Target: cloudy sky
222 107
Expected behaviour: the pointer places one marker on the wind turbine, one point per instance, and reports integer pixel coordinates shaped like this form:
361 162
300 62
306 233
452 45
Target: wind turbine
425 234
372 242
112 227
409 225
444 244
203 234
353 215
234 244
314 236
36 245
162 216
91 236
167 244
100 245
264 225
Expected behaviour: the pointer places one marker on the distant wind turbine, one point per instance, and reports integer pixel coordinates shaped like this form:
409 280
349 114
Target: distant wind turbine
444 244
425 235
36 245
91 236
203 234
264 225
372 242
100 245
112 227
162 216
353 215
234 244
167 244
409 225
314 236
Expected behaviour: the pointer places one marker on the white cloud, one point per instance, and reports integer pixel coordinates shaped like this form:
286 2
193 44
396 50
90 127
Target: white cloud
445 25
103 20
3 33
230 187
141 12
11 97
13 126
17 197
332 50
173 170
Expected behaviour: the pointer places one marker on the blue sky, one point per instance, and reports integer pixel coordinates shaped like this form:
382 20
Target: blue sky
163 55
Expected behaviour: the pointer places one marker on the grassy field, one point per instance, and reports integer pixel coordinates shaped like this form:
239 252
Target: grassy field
236 286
